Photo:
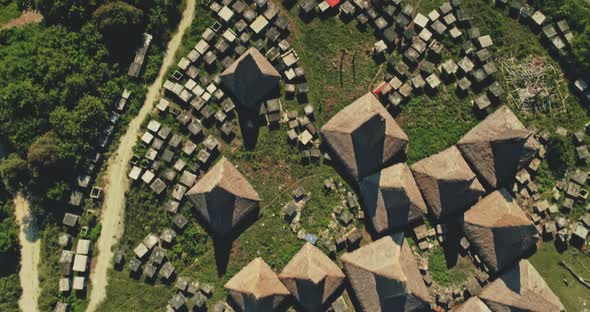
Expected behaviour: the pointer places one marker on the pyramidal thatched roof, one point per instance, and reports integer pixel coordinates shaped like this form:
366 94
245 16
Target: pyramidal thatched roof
499 230
223 197
495 146
385 277
256 287
312 278
250 79
520 289
392 198
447 183
363 137
474 304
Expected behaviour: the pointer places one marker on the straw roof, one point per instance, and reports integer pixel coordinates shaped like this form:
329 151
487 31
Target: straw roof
312 278
520 288
223 197
364 137
495 146
499 230
474 304
385 277
250 79
447 183
392 198
256 287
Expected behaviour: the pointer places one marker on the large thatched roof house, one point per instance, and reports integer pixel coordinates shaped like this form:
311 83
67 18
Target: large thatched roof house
521 289
364 137
385 277
447 183
250 79
312 278
392 198
495 146
223 197
499 230
256 288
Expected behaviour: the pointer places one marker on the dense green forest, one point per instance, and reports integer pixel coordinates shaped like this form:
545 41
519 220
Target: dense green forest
9 252
60 79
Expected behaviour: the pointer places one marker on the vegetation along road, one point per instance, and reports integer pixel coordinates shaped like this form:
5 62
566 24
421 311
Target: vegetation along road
30 255
117 182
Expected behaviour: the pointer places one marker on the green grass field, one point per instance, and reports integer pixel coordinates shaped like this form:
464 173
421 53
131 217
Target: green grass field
274 167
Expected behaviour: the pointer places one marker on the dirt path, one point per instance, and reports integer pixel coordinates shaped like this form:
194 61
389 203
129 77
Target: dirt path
116 175
26 17
30 254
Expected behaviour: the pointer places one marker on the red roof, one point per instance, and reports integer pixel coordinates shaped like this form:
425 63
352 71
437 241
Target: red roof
377 90
333 3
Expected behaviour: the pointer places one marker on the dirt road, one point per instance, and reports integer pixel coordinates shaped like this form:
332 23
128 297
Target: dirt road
117 183
26 17
30 254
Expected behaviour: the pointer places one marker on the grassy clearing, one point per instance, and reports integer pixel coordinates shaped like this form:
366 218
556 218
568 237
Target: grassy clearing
8 11
573 295
447 276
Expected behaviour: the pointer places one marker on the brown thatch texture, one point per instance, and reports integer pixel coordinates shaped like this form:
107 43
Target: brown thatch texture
521 289
312 278
474 304
495 147
392 198
447 183
499 230
250 79
223 197
256 287
364 137
385 277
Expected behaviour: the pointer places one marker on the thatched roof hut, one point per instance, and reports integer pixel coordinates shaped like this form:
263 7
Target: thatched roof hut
250 79
499 230
385 277
312 278
495 146
223 197
520 289
447 183
474 304
392 198
256 287
364 137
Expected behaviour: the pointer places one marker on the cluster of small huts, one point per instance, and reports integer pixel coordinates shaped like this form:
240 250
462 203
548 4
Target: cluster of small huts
412 46
74 262
554 217
557 36
222 198
341 232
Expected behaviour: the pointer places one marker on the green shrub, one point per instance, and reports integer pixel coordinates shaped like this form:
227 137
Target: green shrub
560 155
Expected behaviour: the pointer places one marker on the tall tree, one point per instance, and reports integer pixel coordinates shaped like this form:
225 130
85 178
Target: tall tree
121 25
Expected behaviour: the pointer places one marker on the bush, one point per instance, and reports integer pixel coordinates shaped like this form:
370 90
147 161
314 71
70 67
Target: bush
95 232
560 155
14 172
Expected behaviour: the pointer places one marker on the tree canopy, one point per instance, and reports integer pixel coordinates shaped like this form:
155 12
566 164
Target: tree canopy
120 24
